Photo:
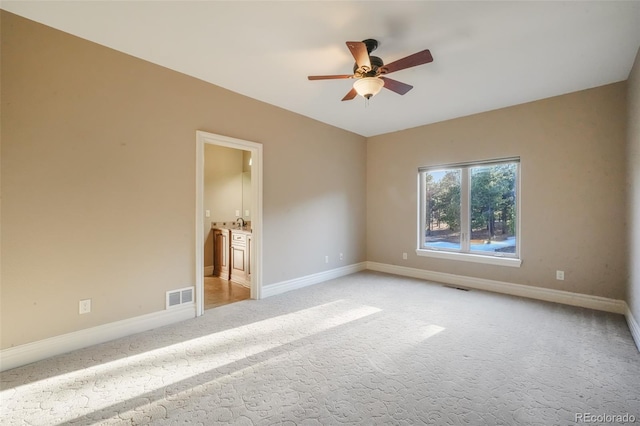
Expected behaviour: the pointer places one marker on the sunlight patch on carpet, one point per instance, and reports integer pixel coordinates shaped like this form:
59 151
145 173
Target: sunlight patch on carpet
132 376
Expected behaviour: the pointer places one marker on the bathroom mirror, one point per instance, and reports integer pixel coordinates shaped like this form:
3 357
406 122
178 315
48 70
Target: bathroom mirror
246 185
227 184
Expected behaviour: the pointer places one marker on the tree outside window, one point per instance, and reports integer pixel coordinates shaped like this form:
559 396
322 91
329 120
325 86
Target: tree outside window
471 208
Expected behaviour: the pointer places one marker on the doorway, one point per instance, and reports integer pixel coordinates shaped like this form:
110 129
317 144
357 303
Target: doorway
203 223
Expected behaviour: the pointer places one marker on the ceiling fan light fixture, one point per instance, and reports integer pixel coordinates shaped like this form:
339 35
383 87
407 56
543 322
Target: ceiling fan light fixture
368 87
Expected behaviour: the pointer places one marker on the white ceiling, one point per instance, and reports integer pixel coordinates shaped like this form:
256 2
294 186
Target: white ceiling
487 55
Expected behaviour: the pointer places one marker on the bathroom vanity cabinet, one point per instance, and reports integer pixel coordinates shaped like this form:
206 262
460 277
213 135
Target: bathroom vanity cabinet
232 255
221 238
240 255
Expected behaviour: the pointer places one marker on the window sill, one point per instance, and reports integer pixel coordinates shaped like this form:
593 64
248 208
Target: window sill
468 257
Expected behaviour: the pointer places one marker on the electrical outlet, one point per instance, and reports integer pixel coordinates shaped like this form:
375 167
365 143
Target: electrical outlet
341 257
84 306
404 256
326 259
237 213
560 275
207 213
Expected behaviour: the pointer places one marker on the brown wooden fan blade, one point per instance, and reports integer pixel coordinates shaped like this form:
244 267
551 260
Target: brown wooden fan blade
352 94
396 86
329 77
360 54
419 58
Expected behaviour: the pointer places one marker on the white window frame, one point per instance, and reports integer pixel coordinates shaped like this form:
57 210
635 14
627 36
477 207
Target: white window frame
464 254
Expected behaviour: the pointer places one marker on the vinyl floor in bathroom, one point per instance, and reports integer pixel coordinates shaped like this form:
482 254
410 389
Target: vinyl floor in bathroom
218 292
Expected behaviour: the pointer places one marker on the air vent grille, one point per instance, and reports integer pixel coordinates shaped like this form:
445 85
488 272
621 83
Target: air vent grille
187 295
179 297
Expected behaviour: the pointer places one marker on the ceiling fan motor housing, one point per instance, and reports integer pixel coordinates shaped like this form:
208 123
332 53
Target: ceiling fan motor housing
376 64
371 44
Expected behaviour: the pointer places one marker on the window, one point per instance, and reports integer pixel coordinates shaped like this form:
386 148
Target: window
470 212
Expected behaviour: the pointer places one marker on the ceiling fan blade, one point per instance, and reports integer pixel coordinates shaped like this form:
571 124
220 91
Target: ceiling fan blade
360 54
419 58
396 86
329 77
352 94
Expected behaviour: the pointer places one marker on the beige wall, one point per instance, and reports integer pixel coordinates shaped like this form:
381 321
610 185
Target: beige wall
633 161
572 151
98 182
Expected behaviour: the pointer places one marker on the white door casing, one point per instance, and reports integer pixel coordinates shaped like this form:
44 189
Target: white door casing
255 148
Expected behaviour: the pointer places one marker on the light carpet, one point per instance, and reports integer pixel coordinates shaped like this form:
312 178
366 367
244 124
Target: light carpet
368 348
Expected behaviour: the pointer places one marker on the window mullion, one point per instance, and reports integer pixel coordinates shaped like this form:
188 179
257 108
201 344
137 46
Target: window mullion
465 202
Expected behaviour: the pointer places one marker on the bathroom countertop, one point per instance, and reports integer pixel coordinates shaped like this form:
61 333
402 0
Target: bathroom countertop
237 229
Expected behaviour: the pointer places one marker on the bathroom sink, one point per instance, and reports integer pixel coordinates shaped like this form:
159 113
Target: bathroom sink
241 229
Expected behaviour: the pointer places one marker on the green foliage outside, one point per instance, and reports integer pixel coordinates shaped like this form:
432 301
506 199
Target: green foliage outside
492 201
443 201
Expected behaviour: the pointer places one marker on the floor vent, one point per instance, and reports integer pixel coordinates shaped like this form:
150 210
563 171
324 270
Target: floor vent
456 288
179 297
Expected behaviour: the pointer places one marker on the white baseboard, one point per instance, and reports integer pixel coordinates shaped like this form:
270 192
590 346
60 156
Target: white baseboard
208 270
42 349
634 327
296 283
549 295
46 348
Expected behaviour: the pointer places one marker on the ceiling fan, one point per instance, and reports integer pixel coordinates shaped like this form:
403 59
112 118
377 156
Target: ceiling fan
370 70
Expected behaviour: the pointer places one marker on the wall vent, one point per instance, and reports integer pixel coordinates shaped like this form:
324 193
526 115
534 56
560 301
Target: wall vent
179 297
